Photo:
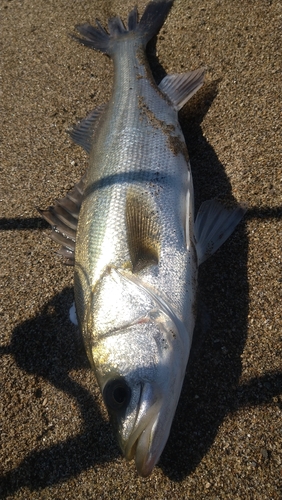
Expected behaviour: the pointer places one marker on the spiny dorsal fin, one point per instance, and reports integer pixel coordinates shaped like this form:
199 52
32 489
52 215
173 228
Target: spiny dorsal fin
180 88
63 218
82 134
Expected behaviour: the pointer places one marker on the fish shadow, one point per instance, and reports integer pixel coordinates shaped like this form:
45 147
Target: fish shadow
49 347
211 388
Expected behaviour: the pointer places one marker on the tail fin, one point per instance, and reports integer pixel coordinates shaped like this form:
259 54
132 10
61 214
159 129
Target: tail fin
150 23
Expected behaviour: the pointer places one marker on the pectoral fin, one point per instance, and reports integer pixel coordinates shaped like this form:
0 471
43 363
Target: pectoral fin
214 224
142 231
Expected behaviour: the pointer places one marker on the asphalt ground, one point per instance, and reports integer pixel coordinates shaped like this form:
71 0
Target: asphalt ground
226 439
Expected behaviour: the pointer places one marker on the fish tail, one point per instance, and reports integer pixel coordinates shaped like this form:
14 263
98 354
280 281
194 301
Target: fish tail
149 25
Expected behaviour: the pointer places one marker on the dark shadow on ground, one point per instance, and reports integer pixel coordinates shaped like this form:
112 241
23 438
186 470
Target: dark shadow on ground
49 346
211 387
22 223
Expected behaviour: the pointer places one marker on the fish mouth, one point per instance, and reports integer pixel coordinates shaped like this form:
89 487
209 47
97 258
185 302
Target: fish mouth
143 442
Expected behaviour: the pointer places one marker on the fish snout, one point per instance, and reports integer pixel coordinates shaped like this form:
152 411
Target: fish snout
143 443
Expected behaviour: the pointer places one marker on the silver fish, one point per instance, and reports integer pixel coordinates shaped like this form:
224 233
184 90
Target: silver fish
136 246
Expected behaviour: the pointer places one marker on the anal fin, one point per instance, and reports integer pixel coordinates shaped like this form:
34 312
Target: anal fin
180 88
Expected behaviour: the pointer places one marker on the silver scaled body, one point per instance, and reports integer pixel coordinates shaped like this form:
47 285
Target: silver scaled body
135 241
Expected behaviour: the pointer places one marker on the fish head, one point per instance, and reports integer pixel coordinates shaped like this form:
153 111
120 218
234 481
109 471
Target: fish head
140 370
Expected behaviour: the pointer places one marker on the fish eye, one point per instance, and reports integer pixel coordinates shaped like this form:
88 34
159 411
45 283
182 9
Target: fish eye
116 394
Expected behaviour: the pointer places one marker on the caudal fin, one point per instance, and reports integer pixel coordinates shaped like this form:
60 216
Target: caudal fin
150 23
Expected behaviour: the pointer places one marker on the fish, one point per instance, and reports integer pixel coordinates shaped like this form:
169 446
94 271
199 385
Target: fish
130 231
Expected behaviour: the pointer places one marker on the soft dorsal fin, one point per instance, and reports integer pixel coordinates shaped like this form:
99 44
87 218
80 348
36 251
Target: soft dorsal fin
180 88
82 134
213 225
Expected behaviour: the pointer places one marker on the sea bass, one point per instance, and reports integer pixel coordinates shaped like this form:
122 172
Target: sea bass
129 228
